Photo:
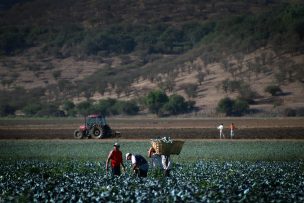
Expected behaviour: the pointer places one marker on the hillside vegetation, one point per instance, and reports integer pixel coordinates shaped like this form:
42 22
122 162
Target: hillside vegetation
58 54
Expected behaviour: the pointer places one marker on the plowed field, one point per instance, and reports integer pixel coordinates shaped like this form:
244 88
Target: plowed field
247 128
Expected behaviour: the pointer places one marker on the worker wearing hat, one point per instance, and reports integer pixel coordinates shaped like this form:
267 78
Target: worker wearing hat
140 165
115 156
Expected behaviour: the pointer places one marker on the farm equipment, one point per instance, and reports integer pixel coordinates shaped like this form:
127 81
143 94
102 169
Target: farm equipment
95 126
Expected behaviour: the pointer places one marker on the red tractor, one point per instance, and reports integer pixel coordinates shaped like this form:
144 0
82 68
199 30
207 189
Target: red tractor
95 126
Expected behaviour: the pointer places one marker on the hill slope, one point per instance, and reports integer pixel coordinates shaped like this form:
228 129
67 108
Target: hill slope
203 50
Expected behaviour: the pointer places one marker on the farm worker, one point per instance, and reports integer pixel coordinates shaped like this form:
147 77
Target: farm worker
232 128
155 158
140 165
220 128
116 160
167 165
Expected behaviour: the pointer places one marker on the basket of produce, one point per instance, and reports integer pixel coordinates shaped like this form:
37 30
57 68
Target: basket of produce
167 146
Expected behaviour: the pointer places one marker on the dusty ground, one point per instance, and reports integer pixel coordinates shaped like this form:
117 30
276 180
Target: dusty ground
139 128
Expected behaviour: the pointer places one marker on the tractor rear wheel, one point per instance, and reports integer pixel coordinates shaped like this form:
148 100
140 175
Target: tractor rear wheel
97 133
107 131
78 134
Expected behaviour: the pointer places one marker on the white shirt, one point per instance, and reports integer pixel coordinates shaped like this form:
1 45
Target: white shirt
220 127
133 160
166 167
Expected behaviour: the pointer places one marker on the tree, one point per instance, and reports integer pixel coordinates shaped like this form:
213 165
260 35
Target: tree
6 109
105 106
155 100
175 105
273 89
84 108
32 108
239 107
200 77
232 107
50 110
225 106
190 89
69 108
126 107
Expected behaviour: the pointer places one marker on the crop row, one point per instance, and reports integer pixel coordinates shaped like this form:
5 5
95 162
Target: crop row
201 181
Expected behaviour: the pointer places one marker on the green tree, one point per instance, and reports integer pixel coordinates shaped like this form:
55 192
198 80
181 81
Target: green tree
6 109
50 110
32 108
175 105
84 108
126 107
232 107
200 77
105 106
240 107
69 108
225 105
155 100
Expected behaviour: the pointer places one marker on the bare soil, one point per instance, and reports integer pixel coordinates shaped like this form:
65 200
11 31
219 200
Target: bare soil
247 128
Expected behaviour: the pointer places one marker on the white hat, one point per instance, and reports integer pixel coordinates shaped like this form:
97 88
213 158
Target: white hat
127 154
116 144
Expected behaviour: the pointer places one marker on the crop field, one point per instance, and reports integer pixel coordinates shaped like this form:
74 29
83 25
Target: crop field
205 171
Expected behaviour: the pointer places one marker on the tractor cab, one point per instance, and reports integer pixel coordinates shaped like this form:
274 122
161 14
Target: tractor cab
97 120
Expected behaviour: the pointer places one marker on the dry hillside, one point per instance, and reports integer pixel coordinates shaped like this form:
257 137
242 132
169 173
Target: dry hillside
186 47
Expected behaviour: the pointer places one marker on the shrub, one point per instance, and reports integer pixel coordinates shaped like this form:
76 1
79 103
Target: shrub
225 106
240 107
126 107
31 109
273 90
300 111
50 110
246 93
85 108
6 109
56 74
190 90
232 85
105 106
200 77
175 105
289 112
69 108
155 100
232 107
11 40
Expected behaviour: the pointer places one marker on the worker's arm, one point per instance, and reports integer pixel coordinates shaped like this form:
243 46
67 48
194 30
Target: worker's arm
108 160
123 166
134 166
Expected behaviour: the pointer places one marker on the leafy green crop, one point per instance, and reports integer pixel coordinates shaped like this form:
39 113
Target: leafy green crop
201 181
230 171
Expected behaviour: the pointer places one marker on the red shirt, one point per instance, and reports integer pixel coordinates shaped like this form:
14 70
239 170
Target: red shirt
232 127
116 158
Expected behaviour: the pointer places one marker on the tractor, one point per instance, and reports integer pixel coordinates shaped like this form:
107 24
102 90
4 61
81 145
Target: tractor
95 126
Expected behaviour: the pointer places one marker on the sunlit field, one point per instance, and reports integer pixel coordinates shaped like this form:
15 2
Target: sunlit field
74 170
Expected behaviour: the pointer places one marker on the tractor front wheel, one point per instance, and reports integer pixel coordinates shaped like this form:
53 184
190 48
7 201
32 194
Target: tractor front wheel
78 134
97 133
